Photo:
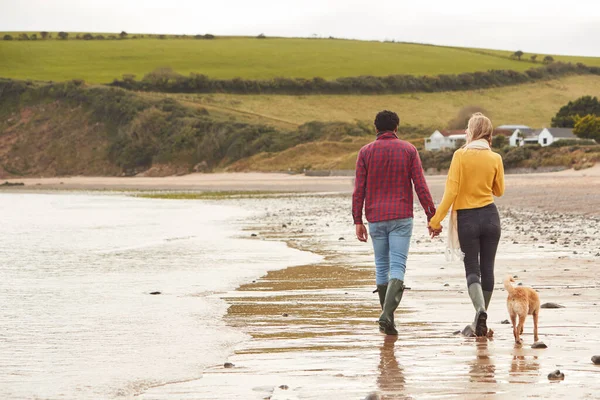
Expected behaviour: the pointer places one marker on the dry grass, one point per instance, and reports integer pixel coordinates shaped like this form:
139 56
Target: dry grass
531 104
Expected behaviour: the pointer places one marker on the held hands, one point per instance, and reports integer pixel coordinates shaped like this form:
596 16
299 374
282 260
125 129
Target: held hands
361 232
434 232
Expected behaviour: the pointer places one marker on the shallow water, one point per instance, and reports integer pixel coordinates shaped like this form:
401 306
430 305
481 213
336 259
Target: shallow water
77 319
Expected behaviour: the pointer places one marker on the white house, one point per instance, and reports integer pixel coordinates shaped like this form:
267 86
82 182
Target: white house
444 139
448 139
518 136
546 136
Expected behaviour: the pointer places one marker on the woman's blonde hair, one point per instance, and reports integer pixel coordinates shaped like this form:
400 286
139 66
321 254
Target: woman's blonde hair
479 127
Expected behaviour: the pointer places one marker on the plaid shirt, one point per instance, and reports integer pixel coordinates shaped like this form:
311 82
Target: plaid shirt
386 170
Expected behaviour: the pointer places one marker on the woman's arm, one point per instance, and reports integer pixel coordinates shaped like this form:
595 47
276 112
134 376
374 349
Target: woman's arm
498 187
450 192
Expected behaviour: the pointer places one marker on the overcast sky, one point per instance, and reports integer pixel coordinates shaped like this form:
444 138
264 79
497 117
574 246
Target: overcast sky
539 26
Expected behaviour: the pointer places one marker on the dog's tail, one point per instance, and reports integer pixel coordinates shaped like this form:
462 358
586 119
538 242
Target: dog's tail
508 285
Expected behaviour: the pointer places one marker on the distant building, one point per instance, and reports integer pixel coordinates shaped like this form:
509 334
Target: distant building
444 139
448 139
546 136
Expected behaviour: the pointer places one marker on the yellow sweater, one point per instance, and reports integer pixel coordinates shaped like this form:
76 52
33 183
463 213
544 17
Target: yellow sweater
475 176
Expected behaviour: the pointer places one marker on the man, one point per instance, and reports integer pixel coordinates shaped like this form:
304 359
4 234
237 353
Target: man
386 170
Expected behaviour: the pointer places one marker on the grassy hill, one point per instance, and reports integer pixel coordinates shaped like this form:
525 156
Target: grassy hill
72 129
101 61
531 104
90 129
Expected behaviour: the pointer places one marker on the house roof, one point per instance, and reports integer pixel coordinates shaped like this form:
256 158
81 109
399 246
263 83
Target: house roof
451 132
564 133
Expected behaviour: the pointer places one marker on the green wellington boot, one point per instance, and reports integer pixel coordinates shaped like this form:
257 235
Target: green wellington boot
476 295
393 296
382 290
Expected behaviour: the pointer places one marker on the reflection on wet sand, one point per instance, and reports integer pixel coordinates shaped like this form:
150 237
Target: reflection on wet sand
523 368
482 369
391 376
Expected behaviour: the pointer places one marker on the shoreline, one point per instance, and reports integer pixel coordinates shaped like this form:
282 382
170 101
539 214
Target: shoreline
314 332
557 192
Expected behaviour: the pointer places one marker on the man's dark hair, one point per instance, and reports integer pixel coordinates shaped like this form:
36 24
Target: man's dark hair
386 121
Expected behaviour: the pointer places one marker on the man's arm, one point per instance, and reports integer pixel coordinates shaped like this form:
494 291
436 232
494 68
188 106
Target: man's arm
418 179
358 197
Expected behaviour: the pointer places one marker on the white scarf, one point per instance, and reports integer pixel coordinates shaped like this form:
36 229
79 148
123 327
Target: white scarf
453 250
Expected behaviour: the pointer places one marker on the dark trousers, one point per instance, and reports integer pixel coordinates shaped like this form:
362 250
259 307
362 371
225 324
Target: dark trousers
479 235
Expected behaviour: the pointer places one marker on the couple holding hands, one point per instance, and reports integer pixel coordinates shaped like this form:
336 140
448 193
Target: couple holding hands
387 169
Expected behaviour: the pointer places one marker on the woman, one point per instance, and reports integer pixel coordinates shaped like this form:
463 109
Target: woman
476 175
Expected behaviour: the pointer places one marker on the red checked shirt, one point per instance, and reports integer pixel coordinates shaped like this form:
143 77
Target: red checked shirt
386 170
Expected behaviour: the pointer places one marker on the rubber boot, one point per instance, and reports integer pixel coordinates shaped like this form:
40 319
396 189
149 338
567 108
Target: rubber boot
487 297
476 295
393 296
382 290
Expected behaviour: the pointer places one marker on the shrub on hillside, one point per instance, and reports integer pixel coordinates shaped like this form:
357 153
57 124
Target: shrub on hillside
8 37
261 36
439 160
586 105
44 35
587 127
88 36
23 36
515 156
574 144
197 83
499 141
63 35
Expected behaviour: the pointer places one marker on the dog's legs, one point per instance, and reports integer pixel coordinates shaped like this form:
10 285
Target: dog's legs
535 325
513 319
521 323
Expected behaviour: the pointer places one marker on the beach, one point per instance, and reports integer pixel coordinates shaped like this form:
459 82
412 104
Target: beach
314 327
310 329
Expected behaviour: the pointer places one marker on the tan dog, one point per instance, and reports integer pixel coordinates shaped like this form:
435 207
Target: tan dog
522 301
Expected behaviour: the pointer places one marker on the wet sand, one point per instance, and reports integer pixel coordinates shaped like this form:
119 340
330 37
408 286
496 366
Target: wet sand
314 331
313 328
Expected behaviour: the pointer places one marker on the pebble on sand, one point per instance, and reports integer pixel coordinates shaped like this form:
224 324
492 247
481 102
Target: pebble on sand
373 396
155 293
551 305
556 376
539 345
447 284
596 360
254 235
505 322
341 238
228 365
284 387
285 315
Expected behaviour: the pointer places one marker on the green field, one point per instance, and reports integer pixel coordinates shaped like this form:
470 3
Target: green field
101 61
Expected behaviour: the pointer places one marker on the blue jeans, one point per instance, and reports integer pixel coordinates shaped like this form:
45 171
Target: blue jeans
391 240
